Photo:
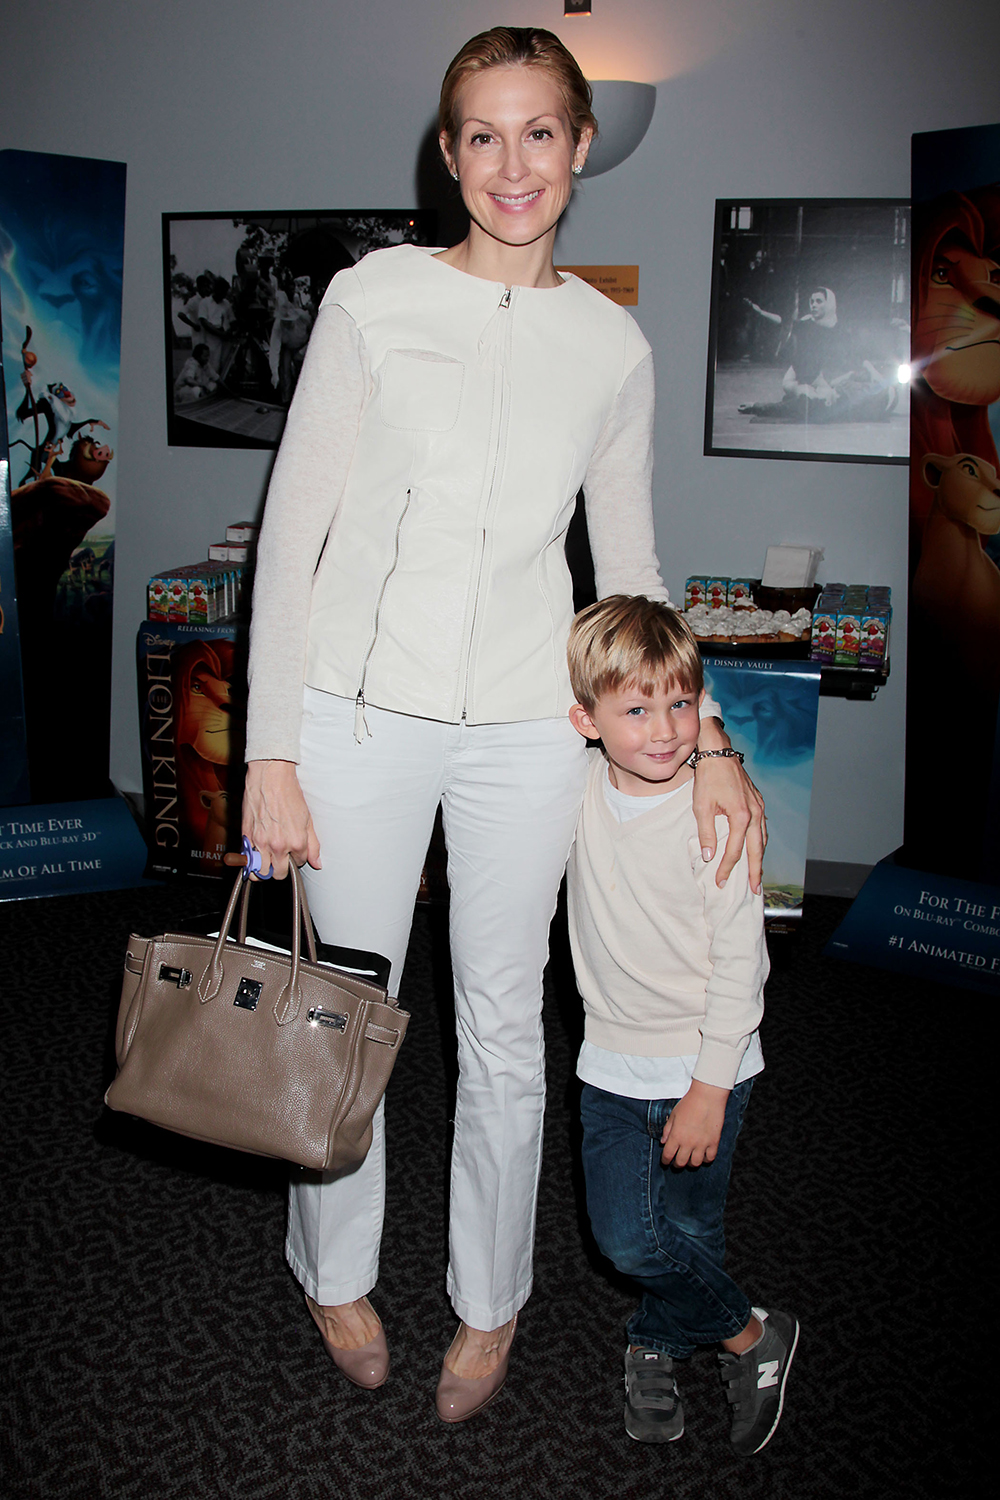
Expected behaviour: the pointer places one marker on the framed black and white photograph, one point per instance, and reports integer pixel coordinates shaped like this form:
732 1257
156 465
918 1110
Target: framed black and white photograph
241 293
809 332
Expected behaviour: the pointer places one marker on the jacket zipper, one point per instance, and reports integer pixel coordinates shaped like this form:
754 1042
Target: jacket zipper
361 729
504 303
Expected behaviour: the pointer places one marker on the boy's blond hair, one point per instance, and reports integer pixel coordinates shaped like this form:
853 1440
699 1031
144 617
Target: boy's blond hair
628 640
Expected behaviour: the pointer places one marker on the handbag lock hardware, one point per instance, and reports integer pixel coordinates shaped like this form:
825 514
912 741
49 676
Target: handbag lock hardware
248 994
180 977
319 1017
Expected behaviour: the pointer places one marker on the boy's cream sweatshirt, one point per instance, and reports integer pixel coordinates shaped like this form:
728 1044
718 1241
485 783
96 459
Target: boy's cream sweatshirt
668 965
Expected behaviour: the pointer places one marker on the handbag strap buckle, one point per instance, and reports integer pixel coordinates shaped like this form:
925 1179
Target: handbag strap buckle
180 977
317 1016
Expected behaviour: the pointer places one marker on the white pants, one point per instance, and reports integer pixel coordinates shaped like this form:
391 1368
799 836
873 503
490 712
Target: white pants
510 796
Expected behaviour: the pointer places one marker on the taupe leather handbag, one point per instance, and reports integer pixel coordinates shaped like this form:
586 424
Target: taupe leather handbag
258 1050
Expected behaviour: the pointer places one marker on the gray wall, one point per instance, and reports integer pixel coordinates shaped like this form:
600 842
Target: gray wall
229 104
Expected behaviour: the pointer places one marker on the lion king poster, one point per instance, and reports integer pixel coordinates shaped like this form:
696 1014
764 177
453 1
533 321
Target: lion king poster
953 673
62 225
192 716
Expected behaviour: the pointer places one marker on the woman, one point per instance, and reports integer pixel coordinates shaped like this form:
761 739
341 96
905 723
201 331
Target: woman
450 407
827 381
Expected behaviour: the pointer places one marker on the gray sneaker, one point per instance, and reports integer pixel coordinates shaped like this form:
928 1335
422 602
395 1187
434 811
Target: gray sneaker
755 1381
653 1410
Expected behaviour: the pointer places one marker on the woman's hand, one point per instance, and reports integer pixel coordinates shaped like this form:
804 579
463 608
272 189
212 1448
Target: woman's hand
276 819
722 786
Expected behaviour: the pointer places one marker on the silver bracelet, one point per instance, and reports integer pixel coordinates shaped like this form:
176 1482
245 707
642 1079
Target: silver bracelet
697 755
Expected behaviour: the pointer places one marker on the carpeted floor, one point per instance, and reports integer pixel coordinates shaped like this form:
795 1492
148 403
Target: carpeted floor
155 1346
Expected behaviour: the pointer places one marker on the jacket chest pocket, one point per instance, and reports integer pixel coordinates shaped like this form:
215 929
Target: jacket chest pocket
421 391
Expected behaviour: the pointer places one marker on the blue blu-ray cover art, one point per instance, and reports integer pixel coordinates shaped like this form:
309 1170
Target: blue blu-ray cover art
62 224
62 233
770 710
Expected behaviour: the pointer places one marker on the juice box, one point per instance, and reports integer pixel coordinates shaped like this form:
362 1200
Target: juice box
848 647
242 580
740 594
874 637
823 641
157 600
716 592
695 590
201 597
177 599
227 590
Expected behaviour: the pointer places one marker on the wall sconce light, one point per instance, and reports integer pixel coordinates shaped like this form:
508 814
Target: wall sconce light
623 112
576 8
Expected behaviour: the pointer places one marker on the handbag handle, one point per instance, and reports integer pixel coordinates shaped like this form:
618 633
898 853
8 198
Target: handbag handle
289 1001
307 921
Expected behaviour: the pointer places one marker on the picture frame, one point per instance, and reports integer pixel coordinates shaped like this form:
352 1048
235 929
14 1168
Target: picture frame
241 291
808 351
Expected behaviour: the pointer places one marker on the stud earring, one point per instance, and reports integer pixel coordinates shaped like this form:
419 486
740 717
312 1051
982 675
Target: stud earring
577 171
455 175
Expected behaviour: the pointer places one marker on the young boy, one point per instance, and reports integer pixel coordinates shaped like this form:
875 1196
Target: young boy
671 970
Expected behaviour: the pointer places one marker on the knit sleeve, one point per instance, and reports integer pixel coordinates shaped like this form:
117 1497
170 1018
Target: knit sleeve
734 1000
307 483
618 491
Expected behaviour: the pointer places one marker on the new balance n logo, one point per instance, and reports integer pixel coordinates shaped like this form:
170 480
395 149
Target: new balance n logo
767 1373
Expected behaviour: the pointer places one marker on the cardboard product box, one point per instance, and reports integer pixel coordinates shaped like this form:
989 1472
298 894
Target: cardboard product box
192 725
222 575
157 599
202 596
218 552
716 592
242 531
874 649
823 639
695 591
226 590
243 588
177 596
848 648
740 594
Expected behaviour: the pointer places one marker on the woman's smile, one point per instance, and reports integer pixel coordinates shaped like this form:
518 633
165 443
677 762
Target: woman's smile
521 200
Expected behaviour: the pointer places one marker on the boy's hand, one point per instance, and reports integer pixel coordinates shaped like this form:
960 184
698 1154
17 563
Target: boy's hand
691 1135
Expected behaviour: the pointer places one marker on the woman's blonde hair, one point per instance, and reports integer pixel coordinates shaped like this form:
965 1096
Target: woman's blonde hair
517 46
630 641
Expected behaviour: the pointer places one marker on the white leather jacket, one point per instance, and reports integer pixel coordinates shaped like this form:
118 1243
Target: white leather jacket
442 589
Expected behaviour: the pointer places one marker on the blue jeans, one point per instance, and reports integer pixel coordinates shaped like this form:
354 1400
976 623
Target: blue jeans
662 1226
